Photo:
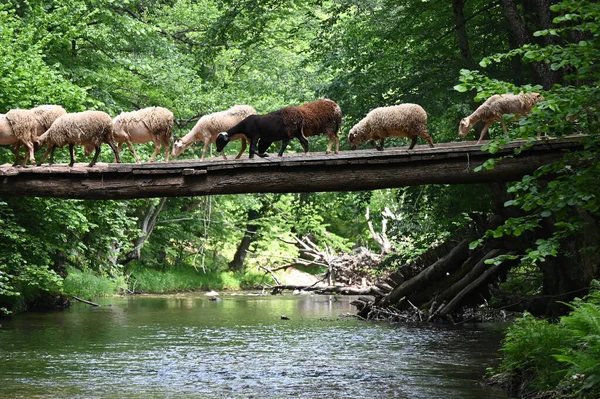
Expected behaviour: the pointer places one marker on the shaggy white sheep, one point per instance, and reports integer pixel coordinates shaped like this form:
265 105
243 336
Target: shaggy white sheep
142 126
45 116
209 126
495 107
18 127
404 120
88 128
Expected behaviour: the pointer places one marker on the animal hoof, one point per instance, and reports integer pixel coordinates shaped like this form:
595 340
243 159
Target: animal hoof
284 317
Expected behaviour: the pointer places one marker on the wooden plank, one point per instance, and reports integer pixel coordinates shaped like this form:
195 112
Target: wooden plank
348 171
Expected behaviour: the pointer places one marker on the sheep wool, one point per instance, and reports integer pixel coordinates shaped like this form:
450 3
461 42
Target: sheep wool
93 127
158 120
495 107
323 116
46 115
209 126
23 124
404 120
82 128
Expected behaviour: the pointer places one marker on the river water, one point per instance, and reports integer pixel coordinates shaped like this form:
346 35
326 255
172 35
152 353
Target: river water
187 346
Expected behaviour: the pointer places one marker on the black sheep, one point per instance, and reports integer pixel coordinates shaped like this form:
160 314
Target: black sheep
281 125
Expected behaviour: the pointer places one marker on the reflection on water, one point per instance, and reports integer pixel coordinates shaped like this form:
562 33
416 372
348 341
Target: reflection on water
190 347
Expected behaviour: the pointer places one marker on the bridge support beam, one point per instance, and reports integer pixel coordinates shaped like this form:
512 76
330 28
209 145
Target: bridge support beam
448 163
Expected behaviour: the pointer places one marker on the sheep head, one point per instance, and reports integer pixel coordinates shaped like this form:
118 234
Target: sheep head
464 127
353 139
178 148
222 140
89 149
41 140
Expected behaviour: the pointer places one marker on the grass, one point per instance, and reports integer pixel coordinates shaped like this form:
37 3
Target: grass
86 284
189 279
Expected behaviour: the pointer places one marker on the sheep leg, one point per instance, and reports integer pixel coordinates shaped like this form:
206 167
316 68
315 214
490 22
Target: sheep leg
96 156
15 149
413 142
244 145
116 151
333 138
284 144
52 156
204 150
157 148
29 146
167 145
263 146
130 145
303 142
484 130
41 161
425 136
380 146
253 149
72 153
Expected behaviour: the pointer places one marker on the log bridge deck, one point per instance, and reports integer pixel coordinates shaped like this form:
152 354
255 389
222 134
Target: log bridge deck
447 163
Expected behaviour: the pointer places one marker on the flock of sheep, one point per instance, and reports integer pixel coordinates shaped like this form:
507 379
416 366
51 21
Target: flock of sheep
52 126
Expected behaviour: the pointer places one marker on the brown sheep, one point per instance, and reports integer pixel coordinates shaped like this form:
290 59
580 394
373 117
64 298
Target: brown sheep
322 117
404 120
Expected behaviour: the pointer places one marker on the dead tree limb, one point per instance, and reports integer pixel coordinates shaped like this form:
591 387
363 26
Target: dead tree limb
456 256
86 302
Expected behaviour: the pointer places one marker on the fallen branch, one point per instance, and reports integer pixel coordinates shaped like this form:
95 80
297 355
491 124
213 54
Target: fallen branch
84 301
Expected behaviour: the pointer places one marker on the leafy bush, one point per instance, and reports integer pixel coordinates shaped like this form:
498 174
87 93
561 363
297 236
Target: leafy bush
86 284
555 358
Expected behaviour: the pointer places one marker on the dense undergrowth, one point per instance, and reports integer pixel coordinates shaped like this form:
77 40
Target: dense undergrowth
86 284
545 359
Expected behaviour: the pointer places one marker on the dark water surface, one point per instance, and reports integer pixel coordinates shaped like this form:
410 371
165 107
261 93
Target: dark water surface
189 347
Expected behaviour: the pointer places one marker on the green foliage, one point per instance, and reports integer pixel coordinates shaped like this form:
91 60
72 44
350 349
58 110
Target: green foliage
564 358
187 278
560 193
528 350
86 284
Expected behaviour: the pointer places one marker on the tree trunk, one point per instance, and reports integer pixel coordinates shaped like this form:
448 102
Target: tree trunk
237 263
519 35
147 224
458 9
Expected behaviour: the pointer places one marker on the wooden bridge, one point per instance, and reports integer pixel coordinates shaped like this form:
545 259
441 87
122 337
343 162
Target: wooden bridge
447 163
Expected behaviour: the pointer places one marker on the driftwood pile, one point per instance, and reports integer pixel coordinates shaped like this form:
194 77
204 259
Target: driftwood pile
348 274
450 282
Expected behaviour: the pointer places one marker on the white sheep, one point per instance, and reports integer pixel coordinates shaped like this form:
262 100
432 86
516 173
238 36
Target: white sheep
495 107
209 126
404 120
142 126
46 115
18 127
88 128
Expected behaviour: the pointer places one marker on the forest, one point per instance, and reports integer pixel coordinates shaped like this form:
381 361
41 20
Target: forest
200 57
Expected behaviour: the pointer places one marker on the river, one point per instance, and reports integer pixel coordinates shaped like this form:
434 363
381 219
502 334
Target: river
187 346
